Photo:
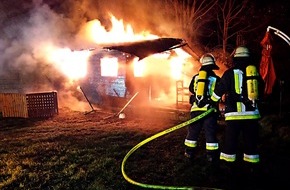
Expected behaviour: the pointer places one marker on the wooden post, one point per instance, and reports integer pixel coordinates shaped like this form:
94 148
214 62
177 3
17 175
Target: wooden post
123 107
127 103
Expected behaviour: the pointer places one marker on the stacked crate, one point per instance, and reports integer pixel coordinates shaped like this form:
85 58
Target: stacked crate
13 105
34 105
42 104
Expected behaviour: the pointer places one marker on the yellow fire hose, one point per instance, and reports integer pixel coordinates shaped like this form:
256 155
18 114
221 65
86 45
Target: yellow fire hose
179 126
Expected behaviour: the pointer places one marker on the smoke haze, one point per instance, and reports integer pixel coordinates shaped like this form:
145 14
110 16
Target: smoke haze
30 29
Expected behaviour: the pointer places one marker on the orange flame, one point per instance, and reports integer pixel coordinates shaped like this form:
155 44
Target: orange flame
118 33
74 63
71 63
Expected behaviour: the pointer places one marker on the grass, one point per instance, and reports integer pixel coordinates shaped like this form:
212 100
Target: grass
77 151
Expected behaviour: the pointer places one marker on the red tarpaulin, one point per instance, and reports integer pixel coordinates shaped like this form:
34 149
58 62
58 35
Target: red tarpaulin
267 69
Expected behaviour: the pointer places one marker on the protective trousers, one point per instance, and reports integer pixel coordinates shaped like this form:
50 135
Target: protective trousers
250 131
209 124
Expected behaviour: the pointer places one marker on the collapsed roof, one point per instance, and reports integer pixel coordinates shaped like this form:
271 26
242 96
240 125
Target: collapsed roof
146 48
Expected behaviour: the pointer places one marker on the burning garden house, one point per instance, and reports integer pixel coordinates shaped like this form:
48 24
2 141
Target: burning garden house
153 72
121 65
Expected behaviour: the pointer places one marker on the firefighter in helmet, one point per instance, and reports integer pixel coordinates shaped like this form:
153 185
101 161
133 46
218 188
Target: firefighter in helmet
201 87
243 88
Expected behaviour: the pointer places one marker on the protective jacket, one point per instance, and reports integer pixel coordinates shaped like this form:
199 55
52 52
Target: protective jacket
233 85
241 109
202 104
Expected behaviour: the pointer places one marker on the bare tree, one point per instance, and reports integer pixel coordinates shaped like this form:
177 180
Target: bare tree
189 17
235 18
229 20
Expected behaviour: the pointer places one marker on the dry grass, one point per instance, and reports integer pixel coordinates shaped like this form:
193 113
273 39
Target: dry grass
77 151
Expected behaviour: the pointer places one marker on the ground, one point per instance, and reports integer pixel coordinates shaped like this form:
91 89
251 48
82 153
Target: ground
81 150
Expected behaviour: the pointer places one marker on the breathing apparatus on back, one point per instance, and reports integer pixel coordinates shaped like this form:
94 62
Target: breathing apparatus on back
201 87
201 93
251 77
252 83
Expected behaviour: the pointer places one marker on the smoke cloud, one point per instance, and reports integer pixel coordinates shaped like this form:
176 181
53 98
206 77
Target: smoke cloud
30 29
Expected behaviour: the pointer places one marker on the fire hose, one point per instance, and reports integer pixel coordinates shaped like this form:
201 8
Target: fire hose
176 127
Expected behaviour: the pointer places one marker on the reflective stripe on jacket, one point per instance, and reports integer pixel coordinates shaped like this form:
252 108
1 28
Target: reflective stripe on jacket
212 81
231 84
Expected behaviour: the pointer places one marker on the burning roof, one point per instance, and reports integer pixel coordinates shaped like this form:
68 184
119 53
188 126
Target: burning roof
146 48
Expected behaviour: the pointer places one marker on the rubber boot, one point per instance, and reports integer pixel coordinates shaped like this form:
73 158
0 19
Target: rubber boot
251 174
190 153
213 165
212 156
229 172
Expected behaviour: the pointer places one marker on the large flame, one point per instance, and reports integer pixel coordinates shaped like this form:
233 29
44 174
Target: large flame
74 63
118 33
163 68
177 63
169 64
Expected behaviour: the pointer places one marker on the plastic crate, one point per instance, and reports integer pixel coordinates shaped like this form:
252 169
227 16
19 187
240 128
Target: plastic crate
42 104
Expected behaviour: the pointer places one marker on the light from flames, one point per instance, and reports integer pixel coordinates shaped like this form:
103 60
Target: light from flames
71 63
166 63
109 66
74 63
139 67
117 34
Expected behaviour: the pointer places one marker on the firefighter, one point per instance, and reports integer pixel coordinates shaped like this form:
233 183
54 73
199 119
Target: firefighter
242 86
201 87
